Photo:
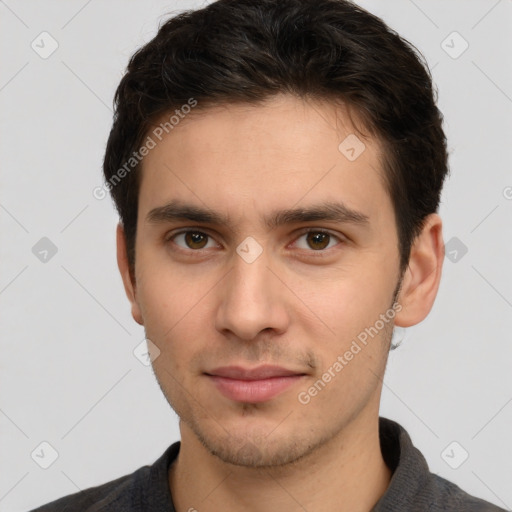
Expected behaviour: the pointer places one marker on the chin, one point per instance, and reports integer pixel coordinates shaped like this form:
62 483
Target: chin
252 449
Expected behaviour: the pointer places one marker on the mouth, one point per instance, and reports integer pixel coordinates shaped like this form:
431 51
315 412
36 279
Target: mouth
253 385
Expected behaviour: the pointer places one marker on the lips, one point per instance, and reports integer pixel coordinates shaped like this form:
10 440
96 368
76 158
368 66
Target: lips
261 372
253 385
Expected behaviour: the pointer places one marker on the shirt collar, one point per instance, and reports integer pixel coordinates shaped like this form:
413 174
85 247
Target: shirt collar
410 475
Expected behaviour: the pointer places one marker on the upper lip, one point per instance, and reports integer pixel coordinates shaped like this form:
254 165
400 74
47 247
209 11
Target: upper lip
258 373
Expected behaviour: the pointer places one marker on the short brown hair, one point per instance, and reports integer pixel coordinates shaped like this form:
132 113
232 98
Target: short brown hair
249 50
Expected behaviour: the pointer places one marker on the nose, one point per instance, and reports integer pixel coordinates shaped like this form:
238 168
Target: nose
252 299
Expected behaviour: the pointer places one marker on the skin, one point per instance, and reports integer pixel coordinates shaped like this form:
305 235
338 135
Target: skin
300 304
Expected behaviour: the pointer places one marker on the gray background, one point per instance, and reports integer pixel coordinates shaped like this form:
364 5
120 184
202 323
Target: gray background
68 373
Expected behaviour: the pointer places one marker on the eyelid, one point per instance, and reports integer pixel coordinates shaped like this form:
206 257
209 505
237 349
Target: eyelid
303 231
192 229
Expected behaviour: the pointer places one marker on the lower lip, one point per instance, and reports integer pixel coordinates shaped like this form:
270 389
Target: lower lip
253 391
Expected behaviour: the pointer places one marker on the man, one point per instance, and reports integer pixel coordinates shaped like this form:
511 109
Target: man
277 168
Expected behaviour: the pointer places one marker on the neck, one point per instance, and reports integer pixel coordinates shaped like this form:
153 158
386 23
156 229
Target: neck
347 473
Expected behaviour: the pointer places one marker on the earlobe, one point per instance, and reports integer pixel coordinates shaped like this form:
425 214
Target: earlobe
423 274
128 279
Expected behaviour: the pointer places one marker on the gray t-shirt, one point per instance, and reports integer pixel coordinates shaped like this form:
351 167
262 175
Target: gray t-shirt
413 488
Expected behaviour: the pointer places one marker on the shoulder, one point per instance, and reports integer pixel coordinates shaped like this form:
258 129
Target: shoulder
447 494
99 498
147 488
413 487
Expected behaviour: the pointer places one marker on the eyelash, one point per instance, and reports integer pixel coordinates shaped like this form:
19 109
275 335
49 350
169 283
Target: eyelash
314 253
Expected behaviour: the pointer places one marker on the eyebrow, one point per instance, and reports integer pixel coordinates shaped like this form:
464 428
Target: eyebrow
327 211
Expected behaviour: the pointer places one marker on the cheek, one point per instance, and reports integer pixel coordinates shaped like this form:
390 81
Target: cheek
165 291
347 301
167 302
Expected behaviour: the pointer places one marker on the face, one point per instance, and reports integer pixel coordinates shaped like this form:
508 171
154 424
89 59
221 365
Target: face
295 262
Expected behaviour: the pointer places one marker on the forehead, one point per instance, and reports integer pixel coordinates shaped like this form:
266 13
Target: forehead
245 159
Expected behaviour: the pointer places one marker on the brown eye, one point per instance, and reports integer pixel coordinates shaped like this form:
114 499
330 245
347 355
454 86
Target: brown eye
191 240
195 240
316 240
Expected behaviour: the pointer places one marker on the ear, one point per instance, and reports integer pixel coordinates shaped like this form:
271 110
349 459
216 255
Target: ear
423 274
128 279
